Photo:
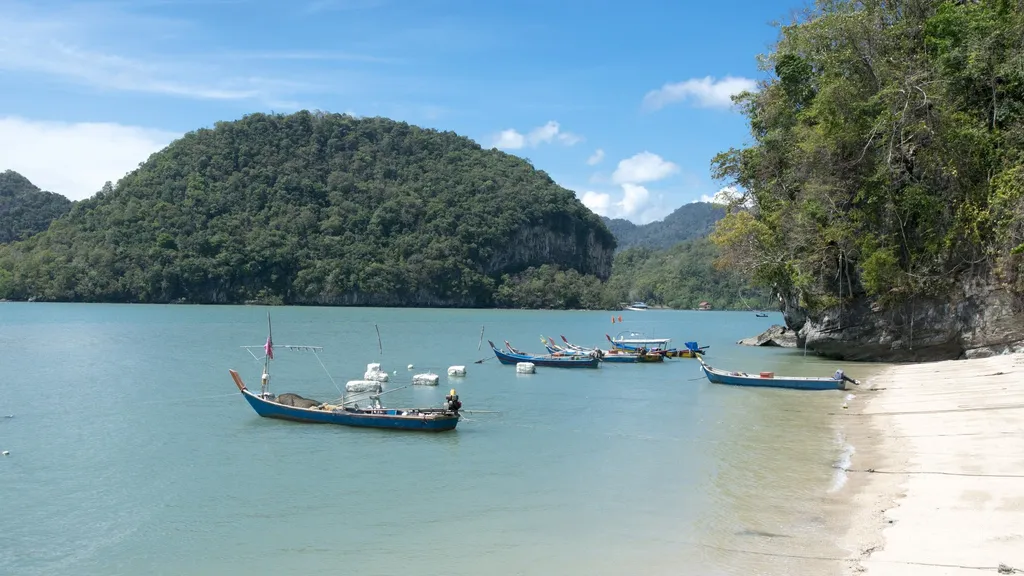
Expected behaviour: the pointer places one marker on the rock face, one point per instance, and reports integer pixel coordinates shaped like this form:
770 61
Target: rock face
777 335
983 320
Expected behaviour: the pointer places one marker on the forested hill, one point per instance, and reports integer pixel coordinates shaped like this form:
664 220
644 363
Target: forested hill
25 209
887 178
312 208
690 221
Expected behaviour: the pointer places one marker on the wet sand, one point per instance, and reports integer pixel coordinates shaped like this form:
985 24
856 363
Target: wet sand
937 479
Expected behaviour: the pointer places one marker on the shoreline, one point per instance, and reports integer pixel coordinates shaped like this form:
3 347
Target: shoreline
936 482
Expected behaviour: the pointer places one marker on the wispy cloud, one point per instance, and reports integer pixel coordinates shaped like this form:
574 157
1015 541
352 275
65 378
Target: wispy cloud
596 157
512 139
309 55
317 6
701 92
75 46
89 153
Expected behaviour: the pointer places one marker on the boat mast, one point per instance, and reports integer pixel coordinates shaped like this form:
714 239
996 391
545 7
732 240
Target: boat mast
268 350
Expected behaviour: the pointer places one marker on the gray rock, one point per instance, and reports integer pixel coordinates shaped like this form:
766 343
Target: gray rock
777 335
981 318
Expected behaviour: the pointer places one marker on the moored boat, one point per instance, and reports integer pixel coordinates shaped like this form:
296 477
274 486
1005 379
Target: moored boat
632 341
299 409
768 379
611 355
549 360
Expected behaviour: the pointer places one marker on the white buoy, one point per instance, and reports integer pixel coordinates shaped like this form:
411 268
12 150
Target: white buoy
456 370
363 386
427 379
5 453
525 368
374 372
409 367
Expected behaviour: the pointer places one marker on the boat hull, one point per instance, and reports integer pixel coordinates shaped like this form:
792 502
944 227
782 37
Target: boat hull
738 379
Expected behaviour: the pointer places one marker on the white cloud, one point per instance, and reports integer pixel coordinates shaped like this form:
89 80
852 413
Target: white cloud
726 195
75 159
702 92
636 204
509 140
596 157
643 167
599 202
512 139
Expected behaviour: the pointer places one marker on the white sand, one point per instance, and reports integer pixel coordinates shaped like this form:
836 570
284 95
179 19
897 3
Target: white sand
946 440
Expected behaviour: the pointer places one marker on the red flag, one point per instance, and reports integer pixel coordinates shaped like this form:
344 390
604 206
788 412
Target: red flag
269 348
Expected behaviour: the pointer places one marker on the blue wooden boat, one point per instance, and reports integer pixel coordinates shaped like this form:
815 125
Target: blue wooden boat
634 342
423 419
550 360
298 409
769 379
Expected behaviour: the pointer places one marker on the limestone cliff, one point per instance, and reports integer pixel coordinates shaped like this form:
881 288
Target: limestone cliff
983 319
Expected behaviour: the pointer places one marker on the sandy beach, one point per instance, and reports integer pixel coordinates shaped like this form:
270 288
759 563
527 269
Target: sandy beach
938 473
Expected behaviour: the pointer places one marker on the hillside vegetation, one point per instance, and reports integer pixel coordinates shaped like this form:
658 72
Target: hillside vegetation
690 221
887 176
26 210
312 208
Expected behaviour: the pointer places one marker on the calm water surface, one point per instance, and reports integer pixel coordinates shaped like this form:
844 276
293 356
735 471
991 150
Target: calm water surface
131 451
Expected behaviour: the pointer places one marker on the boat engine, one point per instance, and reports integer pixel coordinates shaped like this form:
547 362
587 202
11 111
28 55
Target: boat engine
452 402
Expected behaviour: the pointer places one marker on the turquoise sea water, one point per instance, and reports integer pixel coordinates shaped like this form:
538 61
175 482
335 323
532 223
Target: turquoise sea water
131 451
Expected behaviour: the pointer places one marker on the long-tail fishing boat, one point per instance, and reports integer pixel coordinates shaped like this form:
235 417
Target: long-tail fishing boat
768 379
633 341
615 355
294 407
513 356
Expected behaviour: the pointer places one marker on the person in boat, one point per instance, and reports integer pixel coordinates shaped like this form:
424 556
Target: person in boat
452 402
641 351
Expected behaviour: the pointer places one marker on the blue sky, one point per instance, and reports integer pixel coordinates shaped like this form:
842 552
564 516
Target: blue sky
623 102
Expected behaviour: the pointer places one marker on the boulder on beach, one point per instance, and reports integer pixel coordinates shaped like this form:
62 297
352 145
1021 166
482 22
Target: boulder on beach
777 335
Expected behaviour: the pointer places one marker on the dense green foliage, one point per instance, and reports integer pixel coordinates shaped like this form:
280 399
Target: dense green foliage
694 220
889 153
682 276
25 209
312 208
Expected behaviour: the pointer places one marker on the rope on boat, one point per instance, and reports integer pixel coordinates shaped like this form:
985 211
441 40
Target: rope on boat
328 373
370 395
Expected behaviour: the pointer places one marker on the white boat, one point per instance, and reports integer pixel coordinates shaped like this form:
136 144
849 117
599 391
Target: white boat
637 306
634 340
